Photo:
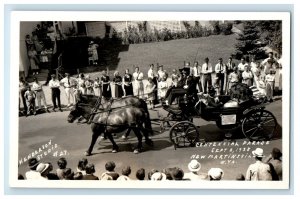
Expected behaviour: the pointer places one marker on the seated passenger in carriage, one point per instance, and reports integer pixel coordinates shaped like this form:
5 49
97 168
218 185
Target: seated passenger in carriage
185 86
210 99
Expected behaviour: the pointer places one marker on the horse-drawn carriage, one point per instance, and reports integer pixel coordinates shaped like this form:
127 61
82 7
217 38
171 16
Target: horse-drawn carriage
250 116
132 113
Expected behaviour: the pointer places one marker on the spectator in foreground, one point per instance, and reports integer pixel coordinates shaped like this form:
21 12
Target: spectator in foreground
275 160
140 174
90 170
68 174
215 174
33 174
194 166
258 170
151 173
240 177
62 164
158 176
126 171
78 176
110 170
82 165
177 174
44 169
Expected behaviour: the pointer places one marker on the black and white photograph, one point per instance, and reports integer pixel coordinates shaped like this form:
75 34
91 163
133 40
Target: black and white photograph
186 99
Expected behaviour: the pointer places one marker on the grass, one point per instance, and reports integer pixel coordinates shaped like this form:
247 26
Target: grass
172 54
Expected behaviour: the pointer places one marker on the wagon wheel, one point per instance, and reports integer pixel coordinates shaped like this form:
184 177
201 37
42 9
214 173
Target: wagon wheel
183 134
259 125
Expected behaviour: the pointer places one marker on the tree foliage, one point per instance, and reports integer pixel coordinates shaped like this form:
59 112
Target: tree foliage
249 43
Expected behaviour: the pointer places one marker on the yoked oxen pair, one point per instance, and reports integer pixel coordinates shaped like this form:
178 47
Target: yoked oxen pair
114 116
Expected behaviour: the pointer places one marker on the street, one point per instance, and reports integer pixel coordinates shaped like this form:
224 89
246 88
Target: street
49 136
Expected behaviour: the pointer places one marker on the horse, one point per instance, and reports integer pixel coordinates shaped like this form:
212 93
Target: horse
114 120
105 104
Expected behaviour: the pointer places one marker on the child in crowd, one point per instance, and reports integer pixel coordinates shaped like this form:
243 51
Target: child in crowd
30 101
140 174
62 164
150 87
126 171
110 170
82 165
162 88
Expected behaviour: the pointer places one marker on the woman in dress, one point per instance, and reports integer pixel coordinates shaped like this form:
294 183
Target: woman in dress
106 90
89 86
127 83
97 87
34 62
118 85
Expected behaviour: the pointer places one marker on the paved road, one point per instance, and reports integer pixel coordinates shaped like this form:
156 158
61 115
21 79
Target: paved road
49 136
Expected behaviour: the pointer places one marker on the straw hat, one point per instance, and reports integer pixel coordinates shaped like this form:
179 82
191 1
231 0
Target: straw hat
194 165
258 152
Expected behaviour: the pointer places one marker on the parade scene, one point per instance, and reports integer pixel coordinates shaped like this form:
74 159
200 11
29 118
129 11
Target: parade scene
150 100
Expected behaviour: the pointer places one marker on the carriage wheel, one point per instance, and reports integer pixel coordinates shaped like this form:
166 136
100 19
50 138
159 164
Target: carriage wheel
184 134
259 125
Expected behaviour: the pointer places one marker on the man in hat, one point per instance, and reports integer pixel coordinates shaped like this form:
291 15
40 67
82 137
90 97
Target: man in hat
259 170
206 71
194 166
54 84
68 83
33 174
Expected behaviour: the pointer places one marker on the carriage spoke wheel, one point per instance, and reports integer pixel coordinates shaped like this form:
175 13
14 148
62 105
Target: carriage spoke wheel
184 134
259 125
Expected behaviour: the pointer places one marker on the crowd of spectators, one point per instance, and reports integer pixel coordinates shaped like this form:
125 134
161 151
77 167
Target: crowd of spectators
161 87
269 169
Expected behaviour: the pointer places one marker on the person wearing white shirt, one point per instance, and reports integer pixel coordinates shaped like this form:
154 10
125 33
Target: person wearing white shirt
54 84
220 69
206 71
229 69
270 83
138 86
40 95
241 68
160 73
68 83
195 72
151 72
247 76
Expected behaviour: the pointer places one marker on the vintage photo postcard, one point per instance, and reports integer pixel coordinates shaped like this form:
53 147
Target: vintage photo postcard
150 100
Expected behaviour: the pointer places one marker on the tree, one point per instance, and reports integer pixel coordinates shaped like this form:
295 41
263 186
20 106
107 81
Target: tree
271 33
249 43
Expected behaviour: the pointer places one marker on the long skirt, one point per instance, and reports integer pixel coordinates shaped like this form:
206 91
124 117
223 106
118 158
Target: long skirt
128 89
106 91
118 91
